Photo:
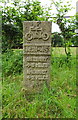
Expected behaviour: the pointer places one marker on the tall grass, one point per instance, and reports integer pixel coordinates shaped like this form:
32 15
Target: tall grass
58 102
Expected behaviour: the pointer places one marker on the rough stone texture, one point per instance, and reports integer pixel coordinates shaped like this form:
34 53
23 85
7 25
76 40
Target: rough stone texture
37 47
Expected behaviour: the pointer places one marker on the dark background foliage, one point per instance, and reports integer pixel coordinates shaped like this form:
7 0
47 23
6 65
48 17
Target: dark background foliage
13 17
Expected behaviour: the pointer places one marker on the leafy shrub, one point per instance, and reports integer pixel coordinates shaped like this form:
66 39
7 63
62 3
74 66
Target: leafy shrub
13 18
63 61
57 40
12 62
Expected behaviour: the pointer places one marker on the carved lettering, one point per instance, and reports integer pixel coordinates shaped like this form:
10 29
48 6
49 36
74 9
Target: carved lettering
36 72
37 58
37 77
37 65
37 47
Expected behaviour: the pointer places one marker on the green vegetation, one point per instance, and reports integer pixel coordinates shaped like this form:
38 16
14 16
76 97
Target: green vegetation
13 17
67 31
12 62
58 102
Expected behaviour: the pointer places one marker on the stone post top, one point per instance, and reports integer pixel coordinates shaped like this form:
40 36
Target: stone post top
37 21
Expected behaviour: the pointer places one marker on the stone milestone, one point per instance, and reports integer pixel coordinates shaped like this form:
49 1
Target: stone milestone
37 52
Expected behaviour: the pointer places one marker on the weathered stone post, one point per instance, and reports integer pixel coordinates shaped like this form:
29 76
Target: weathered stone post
37 53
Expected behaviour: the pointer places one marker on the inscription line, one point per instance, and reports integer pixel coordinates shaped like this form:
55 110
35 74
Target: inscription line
37 54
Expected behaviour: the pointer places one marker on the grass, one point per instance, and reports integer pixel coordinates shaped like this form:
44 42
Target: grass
57 51
58 102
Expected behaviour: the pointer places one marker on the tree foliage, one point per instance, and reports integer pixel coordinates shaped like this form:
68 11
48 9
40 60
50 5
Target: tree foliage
57 40
12 21
14 15
67 26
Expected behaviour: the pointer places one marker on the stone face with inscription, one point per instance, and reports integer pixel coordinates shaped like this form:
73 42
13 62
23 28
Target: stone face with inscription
37 52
